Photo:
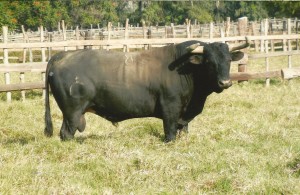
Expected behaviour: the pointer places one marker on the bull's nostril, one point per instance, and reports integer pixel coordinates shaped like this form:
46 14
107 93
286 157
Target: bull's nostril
221 83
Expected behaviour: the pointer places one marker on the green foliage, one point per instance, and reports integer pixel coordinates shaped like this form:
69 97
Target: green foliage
33 13
203 16
86 12
7 15
153 14
284 9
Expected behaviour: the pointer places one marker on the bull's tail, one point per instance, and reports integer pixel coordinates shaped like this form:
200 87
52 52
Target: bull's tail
48 122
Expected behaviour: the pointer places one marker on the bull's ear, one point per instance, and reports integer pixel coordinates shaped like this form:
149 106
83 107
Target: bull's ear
196 59
236 56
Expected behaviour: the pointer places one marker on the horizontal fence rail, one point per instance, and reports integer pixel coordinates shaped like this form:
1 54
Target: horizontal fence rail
121 42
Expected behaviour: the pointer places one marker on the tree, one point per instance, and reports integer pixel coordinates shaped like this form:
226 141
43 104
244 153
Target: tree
86 12
8 16
153 14
283 9
33 13
202 11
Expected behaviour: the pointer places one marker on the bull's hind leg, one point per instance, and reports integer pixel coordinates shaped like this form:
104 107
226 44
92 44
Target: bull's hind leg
70 124
183 128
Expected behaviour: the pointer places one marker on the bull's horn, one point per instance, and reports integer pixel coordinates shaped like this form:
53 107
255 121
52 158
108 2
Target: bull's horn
196 48
192 47
240 46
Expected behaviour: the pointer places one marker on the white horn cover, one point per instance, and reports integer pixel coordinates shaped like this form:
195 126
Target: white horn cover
198 49
195 48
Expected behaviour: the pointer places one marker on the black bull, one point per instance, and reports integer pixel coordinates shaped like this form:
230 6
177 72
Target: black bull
170 83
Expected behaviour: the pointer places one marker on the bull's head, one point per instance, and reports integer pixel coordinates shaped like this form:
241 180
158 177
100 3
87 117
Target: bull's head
216 57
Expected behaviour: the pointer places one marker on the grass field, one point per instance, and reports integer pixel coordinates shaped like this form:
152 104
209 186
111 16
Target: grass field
247 141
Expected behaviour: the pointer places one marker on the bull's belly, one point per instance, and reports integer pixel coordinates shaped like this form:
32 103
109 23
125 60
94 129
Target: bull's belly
117 115
116 110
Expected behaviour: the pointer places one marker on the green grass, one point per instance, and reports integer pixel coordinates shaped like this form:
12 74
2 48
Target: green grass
247 141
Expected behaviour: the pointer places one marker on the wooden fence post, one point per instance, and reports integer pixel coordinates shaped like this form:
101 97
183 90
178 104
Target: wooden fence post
254 32
242 29
188 24
144 34
262 33
297 41
191 30
222 33
64 33
126 35
109 25
166 32
22 74
284 31
25 39
227 27
149 36
5 60
211 30
243 26
173 30
50 39
266 27
58 27
289 28
77 35
144 30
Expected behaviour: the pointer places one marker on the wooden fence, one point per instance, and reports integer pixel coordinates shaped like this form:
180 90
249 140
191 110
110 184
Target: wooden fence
267 46
190 29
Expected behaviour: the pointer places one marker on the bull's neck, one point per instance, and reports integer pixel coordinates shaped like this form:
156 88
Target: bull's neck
203 84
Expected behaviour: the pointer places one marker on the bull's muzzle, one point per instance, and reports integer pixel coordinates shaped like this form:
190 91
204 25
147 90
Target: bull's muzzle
224 84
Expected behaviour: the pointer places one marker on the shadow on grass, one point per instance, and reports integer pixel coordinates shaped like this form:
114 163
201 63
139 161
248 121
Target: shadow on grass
154 131
135 131
145 130
19 140
82 139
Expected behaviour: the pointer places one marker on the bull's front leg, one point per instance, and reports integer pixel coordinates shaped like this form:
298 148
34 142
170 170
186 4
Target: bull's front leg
170 129
170 113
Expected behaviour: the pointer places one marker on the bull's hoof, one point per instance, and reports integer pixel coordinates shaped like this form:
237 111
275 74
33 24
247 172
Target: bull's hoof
170 138
66 136
48 133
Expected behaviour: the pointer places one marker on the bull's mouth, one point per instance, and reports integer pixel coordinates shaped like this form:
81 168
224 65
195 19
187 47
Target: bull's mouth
218 90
